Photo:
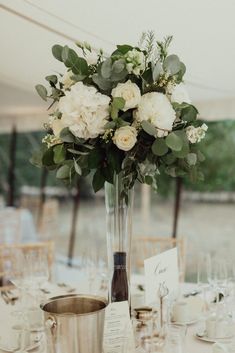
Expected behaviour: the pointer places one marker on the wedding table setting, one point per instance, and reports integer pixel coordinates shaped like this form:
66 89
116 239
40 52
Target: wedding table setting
121 118
196 320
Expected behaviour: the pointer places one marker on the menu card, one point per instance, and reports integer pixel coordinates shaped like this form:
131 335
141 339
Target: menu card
118 333
161 269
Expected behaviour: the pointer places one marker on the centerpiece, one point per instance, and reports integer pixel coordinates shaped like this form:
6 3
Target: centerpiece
122 118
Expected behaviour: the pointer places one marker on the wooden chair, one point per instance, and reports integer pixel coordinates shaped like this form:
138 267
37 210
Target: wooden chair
48 221
7 257
145 247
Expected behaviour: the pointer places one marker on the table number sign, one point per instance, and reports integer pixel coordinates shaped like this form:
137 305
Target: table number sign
118 332
160 270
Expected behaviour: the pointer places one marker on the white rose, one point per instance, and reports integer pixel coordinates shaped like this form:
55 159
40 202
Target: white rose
67 80
85 111
57 126
128 91
156 108
179 94
125 138
135 61
91 58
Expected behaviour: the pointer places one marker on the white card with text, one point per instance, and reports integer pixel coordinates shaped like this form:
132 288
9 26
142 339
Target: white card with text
161 269
118 332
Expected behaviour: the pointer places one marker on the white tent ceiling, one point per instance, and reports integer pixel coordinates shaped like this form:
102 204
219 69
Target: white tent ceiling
203 30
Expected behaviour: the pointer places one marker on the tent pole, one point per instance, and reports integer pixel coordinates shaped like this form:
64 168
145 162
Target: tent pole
11 169
42 196
178 190
76 202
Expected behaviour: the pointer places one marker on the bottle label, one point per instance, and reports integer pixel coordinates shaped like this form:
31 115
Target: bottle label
119 267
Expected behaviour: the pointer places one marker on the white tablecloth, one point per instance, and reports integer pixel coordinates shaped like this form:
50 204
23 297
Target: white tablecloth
192 345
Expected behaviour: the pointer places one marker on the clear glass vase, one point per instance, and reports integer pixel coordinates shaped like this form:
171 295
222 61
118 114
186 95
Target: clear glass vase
119 231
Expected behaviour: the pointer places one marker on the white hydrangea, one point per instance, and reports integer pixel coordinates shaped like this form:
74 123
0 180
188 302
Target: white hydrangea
85 111
135 61
57 126
179 94
130 92
67 80
196 134
156 108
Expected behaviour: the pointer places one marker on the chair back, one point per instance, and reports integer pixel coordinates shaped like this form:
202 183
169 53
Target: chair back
145 247
48 220
7 257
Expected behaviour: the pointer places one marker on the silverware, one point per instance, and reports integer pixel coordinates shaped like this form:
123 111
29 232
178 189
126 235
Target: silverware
5 297
192 294
9 297
45 291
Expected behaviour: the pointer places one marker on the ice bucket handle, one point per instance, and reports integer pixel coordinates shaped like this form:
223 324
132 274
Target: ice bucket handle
51 324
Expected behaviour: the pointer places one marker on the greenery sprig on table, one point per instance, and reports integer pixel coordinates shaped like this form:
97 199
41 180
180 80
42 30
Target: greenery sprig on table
127 113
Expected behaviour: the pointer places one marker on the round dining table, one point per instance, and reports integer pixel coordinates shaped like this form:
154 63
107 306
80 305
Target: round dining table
192 344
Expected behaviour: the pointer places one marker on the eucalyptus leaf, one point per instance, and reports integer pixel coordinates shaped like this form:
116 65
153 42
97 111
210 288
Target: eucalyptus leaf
95 158
183 152
59 153
57 52
77 168
148 180
174 142
66 135
73 61
159 147
80 153
189 113
157 70
98 180
118 103
106 68
63 172
42 91
102 83
48 157
36 158
192 158
124 48
149 128
172 64
52 79
118 66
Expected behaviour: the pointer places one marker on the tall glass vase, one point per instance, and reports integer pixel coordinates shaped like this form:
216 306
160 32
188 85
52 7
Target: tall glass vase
119 231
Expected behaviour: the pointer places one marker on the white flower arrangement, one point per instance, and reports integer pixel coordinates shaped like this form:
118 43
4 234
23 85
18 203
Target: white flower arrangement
127 113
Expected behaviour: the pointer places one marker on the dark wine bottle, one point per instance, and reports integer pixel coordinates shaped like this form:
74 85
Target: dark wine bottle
119 285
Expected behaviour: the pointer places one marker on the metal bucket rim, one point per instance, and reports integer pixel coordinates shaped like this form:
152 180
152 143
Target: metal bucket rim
97 298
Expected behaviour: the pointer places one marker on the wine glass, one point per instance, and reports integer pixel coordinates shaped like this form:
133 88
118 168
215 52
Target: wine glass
203 269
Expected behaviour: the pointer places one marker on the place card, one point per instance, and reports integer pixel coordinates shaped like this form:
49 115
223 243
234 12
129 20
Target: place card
118 332
161 269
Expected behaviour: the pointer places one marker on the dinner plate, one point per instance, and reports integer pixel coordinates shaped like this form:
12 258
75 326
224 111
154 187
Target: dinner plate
203 337
30 348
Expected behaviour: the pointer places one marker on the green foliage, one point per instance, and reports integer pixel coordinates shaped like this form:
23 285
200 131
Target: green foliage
152 69
42 91
172 64
174 141
159 147
149 128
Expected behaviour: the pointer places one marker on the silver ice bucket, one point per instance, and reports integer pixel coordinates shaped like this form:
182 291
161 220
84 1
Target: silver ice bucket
74 323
